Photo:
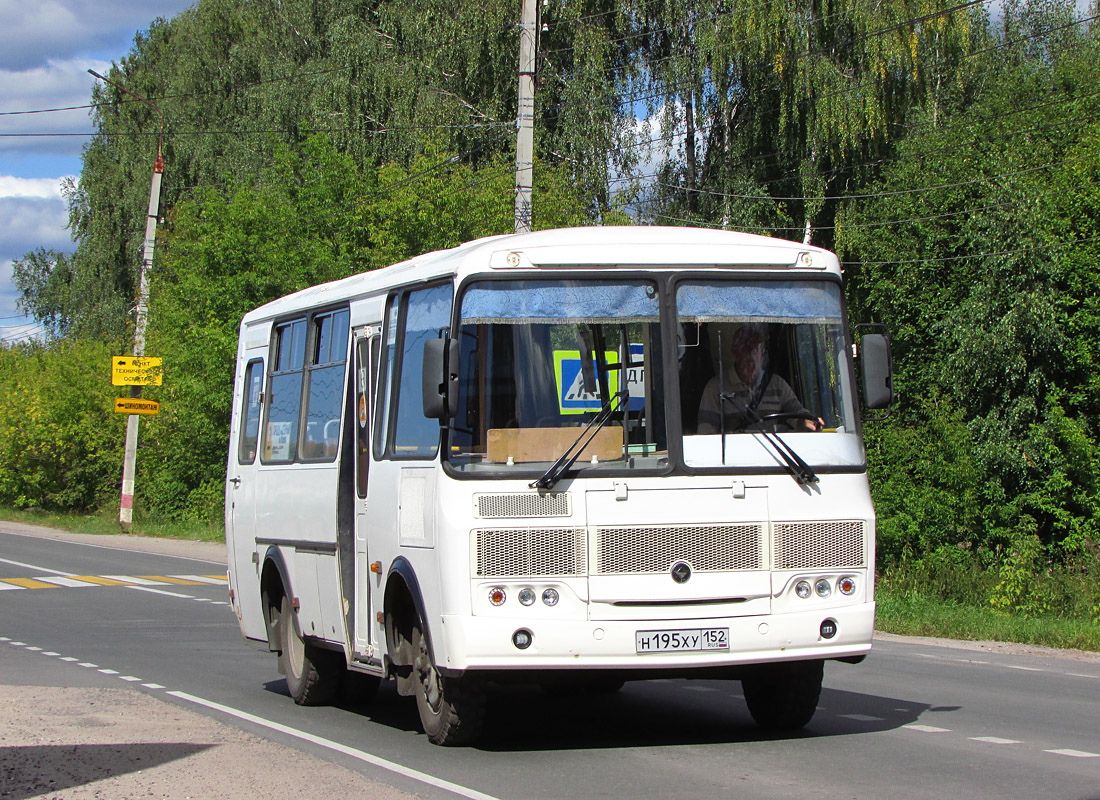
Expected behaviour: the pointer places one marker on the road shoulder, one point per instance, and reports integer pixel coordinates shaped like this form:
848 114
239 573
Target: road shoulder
206 551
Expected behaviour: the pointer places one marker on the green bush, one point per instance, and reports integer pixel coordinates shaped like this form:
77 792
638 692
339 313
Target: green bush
61 443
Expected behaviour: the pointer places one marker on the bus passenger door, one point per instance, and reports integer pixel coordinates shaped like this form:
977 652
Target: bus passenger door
367 344
240 498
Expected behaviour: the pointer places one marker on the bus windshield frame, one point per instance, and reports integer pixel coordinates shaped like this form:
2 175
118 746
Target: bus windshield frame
580 328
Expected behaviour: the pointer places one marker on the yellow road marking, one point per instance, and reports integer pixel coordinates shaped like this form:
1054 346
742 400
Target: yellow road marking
30 583
167 579
221 577
101 581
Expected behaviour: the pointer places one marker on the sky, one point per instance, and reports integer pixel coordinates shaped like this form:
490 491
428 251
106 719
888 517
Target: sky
46 48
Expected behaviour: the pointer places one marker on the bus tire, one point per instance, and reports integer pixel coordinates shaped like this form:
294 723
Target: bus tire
452 710
312 674
783 697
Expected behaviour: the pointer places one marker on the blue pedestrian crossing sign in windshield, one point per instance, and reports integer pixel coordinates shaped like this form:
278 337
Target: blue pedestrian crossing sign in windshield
572 396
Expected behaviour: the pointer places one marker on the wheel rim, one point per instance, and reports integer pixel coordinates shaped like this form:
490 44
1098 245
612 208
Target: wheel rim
428 678
294 646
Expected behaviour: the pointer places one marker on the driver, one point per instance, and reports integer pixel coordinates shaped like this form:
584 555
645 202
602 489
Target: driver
751 389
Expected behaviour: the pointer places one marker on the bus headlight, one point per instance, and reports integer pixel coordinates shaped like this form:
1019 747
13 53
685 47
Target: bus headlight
823 588
550 597
803 589
526 596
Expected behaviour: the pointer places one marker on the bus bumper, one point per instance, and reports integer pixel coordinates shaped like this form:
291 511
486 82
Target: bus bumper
482 643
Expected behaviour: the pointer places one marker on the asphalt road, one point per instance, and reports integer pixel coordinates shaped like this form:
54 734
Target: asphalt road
915 720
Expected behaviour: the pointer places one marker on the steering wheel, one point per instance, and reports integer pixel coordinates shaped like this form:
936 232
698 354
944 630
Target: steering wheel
806 415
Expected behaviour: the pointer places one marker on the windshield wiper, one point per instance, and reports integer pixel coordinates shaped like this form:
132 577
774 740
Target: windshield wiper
801 471
573 452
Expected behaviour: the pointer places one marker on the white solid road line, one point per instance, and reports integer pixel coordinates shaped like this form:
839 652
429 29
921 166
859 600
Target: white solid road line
368 758
161 591
37 568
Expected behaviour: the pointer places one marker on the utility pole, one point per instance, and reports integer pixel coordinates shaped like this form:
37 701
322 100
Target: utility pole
126 503
525 117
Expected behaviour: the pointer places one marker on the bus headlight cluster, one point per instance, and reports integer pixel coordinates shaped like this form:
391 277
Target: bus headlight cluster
526 596
823 587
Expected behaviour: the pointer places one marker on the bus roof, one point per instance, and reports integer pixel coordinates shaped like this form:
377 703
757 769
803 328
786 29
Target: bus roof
598 247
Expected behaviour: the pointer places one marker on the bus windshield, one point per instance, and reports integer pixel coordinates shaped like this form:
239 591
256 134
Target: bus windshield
541 359
762 359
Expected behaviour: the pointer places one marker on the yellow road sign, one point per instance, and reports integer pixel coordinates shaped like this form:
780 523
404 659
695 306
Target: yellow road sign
130 405
134 371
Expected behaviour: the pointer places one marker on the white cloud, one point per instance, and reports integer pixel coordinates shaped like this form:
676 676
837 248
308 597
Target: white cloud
27 223
31 30
55 84
43 188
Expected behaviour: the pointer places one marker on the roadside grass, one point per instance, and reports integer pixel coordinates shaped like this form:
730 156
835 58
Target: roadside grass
910 614
105 523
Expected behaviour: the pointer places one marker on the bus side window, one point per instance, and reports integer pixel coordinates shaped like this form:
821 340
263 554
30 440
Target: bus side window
328 355
250 411
284 406
423 314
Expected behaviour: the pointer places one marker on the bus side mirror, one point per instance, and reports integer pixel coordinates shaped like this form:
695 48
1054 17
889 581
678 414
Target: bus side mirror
440 378
878 374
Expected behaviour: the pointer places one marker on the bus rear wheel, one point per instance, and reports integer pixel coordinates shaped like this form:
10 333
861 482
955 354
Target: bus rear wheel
312 674
452 710
783 697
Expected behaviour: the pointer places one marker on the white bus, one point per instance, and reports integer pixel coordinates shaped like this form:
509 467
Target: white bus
571 458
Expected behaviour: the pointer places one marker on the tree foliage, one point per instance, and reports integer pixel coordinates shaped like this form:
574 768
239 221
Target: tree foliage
313 216
60 442
950 160
987 279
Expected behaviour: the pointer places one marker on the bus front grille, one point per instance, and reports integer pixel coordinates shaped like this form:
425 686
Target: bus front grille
651 549
522 504
530 552
819 545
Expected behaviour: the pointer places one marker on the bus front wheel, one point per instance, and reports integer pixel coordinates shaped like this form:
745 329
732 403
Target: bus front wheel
452 710
312 674
783 697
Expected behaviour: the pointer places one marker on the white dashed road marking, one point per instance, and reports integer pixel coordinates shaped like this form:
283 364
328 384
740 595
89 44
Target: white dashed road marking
337 747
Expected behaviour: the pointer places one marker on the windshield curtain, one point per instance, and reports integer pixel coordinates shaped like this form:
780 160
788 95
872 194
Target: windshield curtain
541 358
762 357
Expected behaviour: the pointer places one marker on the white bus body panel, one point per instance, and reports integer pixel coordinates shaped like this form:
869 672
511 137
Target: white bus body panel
414 511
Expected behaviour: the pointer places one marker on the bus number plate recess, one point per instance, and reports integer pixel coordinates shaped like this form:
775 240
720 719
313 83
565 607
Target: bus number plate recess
682 641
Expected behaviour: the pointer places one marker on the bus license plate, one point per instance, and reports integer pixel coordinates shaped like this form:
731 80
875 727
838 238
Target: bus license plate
681 641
